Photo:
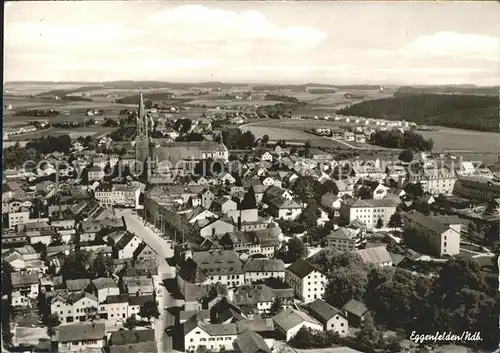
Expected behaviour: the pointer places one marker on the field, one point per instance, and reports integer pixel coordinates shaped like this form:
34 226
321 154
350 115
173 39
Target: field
35 88
73 133
226 102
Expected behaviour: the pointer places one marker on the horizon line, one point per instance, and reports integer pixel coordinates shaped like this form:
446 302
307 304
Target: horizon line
253 83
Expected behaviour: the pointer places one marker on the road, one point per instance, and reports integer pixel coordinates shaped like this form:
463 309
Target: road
165 300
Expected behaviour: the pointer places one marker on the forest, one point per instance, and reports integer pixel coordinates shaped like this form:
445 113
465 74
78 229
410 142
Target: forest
470 112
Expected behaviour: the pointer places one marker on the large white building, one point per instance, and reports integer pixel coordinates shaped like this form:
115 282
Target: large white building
440 235
306 280
118 195
368 211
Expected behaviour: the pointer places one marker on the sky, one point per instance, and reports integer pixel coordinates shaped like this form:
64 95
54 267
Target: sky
269 42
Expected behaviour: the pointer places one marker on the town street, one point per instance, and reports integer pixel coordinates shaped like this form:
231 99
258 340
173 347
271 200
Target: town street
136 225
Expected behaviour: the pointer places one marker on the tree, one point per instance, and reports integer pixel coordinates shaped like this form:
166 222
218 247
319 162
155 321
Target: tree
56 239
395 221
296 250
264 140
51 321
365 192
414 189
276 306
249 201
304 188
310 214
345 284
183 125
406 155
149 310
379 224
369 336
76 265
131 322
101 266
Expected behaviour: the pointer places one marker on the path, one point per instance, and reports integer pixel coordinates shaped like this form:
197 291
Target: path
136 225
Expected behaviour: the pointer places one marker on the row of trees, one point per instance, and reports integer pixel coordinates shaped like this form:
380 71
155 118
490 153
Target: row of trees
396 139
235 139
45 113
281 98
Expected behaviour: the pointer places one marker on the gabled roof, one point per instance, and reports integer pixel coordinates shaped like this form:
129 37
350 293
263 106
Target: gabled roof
81 332
340 233
355 307
264 265
77 284
323 310
103 283
290 318
301 268
375 255
141 347
131 336
251 342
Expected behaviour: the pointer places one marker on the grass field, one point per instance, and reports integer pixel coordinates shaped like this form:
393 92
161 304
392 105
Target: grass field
225 102
73 133
446 139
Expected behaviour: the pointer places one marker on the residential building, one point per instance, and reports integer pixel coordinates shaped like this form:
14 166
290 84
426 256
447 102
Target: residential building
127 245
210 336
331 202
436 181
251 342
258 299
104 287
368 211
260 269
118 195
76 306
284 209
80 336
376 256
306 280
436 235
356 312
483 189
290 321
95 173
25 285
341 240
331 318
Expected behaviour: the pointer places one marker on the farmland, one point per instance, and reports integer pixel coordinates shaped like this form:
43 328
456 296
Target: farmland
73 133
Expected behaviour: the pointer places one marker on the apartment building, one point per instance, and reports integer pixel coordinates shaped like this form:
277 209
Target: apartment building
260 269
440 237
118 195
368 211
341 240
72 306
436 181
306 280
483 189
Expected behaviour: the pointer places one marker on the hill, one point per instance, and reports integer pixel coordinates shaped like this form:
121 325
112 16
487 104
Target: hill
470 112
450 89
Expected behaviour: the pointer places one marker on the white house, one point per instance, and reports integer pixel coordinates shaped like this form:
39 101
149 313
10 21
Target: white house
306 280
211 336
290 321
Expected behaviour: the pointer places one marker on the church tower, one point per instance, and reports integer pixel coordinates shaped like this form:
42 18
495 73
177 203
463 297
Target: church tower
142 138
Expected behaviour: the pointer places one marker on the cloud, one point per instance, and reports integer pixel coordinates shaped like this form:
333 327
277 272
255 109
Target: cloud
448 45
436 70
42 34
198 23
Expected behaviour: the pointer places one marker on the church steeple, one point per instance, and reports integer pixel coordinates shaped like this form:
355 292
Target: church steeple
141 105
